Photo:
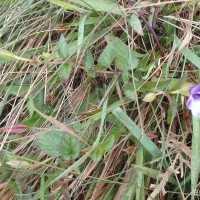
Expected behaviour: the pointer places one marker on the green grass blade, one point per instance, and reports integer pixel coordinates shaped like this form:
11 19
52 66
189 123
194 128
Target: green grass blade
195 161
100 5
137 133
67 6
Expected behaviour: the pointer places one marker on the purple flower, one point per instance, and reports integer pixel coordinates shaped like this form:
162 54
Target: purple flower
193 103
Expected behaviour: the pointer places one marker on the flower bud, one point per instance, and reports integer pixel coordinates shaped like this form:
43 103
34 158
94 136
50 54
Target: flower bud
149 97
46 55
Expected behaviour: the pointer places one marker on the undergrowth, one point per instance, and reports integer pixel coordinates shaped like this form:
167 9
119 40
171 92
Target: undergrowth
93 98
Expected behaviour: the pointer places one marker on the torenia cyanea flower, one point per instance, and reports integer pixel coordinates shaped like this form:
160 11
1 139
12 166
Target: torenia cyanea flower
193 103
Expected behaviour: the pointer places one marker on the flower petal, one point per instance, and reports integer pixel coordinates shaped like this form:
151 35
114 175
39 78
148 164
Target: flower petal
194 106
189 103
194 90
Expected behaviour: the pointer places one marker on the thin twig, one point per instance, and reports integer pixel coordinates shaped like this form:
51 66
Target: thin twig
153 33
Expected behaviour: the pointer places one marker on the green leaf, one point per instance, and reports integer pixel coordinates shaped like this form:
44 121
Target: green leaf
176 84
153 173
125 58
4 54
33 121
171 113
149 70
30 106
50 142
81 33
57 143
65 70
89 61
87 154
139 181
102 148
69 147
15 89
7 55
136 24
107 56
62 47
129 91
91 74
136 132
39 101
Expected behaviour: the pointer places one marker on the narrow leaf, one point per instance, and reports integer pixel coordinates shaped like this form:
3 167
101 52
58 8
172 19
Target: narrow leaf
81 33
137 133
195 161
17 128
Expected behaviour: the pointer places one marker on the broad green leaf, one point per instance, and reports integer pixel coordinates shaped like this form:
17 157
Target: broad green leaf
108 143
136 132
89 60
62 47
50 142
107 56
125 58
116 133
135 23
57 143
69 147
65 70
129 91
95 144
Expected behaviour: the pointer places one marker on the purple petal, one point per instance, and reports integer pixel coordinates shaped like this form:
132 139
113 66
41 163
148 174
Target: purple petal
189 102
196 97
194 105
194 90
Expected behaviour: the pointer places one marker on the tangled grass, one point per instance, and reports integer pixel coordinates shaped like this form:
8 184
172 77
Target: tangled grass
93 99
